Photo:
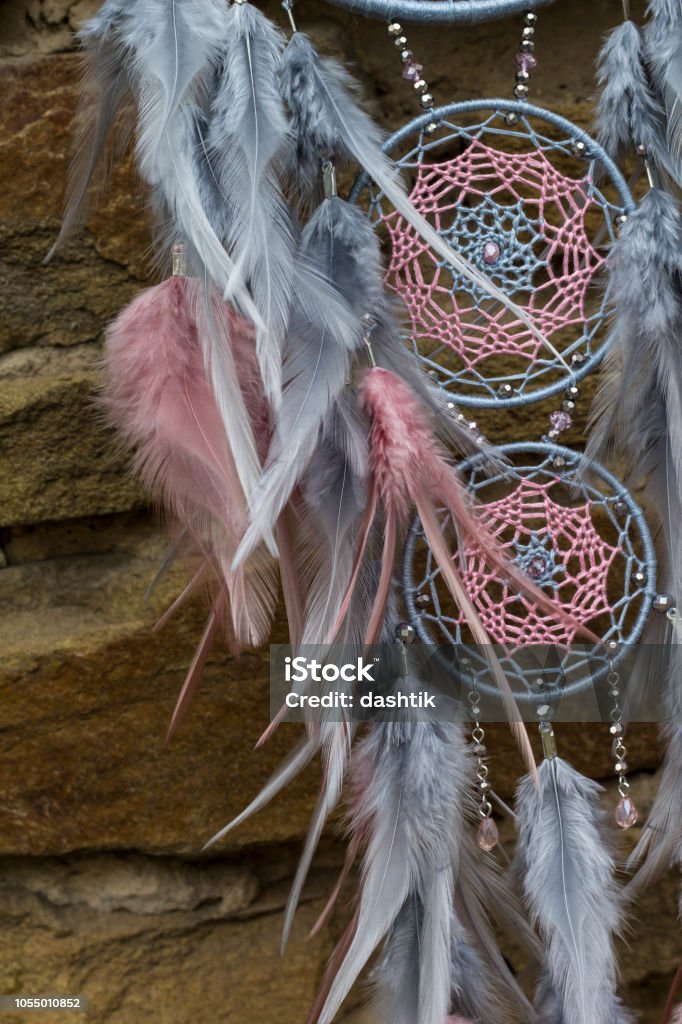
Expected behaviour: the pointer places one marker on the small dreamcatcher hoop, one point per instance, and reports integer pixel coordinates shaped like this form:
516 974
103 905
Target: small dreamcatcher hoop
453 12
581 538
531 204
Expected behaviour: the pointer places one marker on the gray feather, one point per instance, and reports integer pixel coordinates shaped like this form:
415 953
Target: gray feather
628 113
638 414
550 1012
568 883
104 91
247 135
663 39
324 333
409 782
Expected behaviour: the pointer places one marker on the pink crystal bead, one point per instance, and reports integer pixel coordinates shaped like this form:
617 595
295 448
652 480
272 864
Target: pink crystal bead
491 253
488 836
536 567
560 420
526 62
626 813
412 71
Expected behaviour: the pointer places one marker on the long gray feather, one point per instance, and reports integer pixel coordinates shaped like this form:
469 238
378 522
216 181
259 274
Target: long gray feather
409 781
325 331
663 40
628 112
567 875
638 414
247 138
105 88
327 121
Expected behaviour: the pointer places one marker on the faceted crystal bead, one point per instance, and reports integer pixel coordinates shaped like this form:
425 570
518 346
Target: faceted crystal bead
626 812
491 253
537 567
488 836
526 61
560 420
412 72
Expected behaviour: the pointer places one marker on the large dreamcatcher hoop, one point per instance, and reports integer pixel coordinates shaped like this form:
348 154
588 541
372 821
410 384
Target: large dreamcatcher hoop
581 538
531 203
453 12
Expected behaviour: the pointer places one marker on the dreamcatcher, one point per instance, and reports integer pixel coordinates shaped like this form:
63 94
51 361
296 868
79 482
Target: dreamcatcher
294 404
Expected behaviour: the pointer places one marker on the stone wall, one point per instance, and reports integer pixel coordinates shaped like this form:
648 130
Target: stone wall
102 888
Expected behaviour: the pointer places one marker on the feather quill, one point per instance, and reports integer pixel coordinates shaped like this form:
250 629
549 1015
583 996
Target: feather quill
567 877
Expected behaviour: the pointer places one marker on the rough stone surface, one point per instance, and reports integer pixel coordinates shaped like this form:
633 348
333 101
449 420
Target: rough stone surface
102 886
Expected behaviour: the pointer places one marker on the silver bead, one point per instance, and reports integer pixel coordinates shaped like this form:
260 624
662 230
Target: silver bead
662 602
553 434
395 29
511 118
400 43
639 576
614 692
543 711
405 632
616 729
479 750
573 392
476 711
406 56
521 91
484 787
578 358
641 150
422 600
620 220
528 32
579 147
620 508
530 18
505 391
612 645
568 406
420 85
559 462
620 767
431 128
527 46
523 76
426 100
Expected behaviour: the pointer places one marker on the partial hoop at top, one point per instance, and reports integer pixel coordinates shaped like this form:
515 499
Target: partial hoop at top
454 12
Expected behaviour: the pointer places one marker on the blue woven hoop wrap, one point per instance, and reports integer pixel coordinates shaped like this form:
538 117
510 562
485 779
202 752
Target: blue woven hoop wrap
454 12
547 167
599 555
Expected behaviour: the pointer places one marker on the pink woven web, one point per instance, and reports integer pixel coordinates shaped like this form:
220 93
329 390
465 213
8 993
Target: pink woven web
556 546
536 215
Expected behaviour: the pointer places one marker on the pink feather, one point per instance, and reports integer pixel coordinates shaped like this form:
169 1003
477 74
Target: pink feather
677 1015
157 395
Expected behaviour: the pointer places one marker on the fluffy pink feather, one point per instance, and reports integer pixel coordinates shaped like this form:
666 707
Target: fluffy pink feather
157 395
677 1015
